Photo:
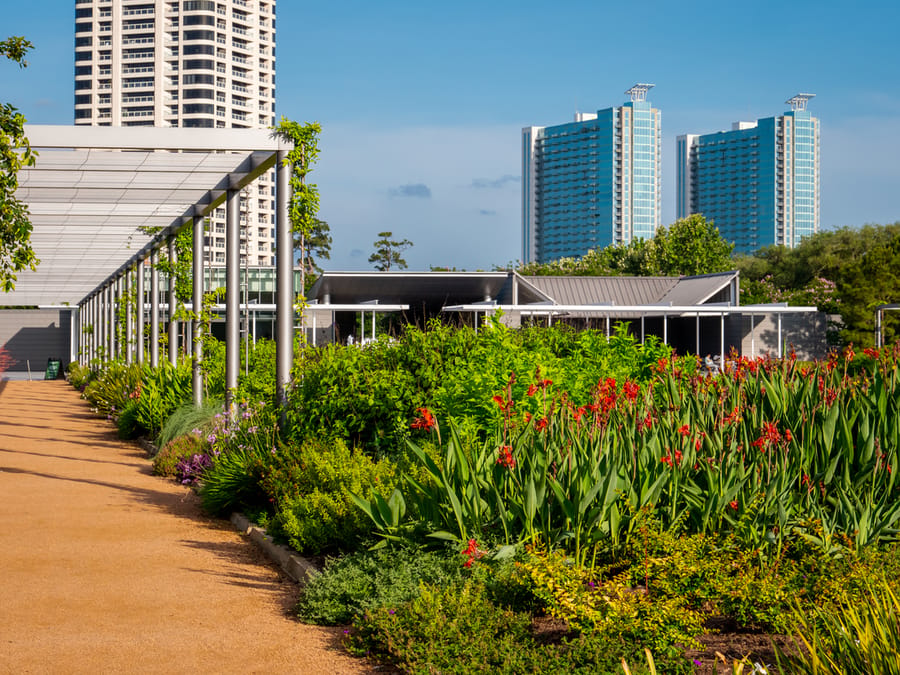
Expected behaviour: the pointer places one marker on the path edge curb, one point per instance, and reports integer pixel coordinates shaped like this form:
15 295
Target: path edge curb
296 567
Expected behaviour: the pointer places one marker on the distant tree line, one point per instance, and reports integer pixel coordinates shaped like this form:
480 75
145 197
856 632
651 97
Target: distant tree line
846 272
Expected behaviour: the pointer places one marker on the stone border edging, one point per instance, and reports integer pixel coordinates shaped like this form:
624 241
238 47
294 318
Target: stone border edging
296 567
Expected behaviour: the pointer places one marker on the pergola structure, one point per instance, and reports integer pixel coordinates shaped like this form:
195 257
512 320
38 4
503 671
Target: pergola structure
105 200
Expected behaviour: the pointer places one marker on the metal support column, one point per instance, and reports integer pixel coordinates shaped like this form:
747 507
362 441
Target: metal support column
722 341
752 336
196 327
139 311
127 284
284 281
110 322
154 309
232 295
697 331
780 351
173 324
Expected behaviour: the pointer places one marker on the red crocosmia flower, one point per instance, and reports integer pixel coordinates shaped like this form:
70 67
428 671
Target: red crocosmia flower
472 553
770 431
527 417
503 404
631 390
505 458
541 424
577 413
830 397
787 436
662 364
733 504
545 383
849 354
759 443
644 423
532 389
678 456
425 421
666 459
871 353
697 445
684 430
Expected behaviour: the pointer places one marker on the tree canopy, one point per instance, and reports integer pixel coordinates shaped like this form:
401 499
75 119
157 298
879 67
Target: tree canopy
316 245
846 272
388 252
689 246
16 253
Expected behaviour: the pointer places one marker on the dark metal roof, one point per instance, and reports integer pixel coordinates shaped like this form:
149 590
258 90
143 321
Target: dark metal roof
431 289
700 289
633 290
605 290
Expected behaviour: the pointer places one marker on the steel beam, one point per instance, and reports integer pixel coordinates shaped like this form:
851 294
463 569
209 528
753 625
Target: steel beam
284 281
232 294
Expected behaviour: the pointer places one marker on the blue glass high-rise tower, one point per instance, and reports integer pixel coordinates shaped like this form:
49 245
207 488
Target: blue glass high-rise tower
759 182
592 182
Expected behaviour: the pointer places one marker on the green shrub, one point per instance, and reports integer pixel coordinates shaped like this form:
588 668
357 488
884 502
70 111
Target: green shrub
311 485
127 422
79 376
187 418
232 484
590 603
456 629
113 387
366 580
181 448
162 390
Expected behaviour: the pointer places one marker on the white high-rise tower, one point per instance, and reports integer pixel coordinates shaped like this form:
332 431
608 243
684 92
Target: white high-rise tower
184 63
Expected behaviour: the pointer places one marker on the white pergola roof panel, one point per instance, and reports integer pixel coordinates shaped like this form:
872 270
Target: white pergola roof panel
95 190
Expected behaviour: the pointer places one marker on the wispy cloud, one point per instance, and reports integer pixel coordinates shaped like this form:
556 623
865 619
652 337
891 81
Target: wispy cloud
495 183
419 190
487 212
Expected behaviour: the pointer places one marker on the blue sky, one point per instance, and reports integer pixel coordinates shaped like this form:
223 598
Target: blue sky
422 103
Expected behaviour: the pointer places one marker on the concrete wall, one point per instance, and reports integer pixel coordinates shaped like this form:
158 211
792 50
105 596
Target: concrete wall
35 335
805 333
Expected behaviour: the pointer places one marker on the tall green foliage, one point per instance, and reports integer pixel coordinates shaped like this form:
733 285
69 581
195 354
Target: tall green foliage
848 271
16 254
304 204
688 247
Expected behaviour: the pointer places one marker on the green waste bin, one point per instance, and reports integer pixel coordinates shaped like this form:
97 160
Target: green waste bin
53 368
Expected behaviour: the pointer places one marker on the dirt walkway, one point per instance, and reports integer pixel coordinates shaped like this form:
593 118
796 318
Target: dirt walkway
105 568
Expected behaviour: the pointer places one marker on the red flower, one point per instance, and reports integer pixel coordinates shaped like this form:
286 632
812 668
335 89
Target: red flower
697 445
502 403
666 459
425 421
541 424
532 389
684 430
849 354
644 423
472 552
871 353
733 504
505 458
787 436
631 390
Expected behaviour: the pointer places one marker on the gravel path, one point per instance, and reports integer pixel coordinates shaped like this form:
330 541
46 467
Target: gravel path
105 568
